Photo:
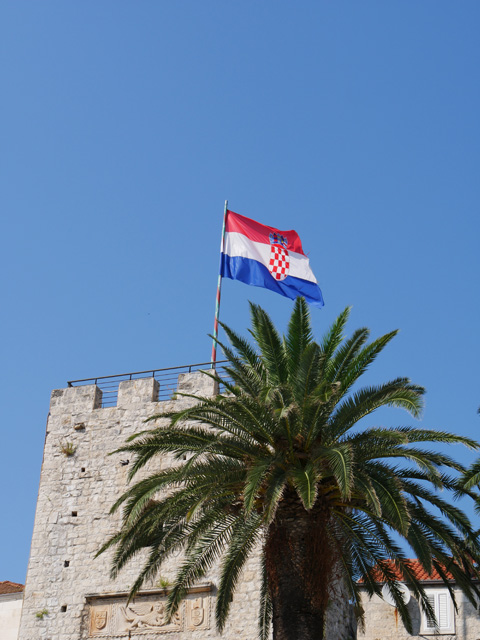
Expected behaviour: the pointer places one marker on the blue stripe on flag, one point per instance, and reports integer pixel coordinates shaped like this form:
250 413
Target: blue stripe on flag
255 273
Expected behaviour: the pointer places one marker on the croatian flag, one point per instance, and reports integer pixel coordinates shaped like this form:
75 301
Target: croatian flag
266 257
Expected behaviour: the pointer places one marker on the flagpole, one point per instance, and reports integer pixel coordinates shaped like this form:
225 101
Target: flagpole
219 290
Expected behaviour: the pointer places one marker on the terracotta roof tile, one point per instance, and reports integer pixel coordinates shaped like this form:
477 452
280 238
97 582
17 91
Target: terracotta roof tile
10 587
417 570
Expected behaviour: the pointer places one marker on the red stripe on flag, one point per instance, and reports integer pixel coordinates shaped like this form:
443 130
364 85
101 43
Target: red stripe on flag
258 232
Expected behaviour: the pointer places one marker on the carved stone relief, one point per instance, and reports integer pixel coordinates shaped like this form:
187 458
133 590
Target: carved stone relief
197 613
147 614
99 619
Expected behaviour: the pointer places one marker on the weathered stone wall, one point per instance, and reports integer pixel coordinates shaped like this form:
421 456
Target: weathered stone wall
382 621
64 580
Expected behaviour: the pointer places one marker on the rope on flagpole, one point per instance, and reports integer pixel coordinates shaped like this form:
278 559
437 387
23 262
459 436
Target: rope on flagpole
219 290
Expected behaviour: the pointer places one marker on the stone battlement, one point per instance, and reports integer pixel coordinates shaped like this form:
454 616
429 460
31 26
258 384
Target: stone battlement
169 379
130 392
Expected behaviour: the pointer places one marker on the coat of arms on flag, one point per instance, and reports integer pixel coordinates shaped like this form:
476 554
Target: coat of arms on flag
279 264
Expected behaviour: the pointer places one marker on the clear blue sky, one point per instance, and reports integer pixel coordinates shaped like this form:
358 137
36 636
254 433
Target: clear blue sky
125 126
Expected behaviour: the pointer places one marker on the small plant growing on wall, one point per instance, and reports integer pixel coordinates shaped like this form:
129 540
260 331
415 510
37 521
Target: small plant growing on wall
40 614
164 583
68 449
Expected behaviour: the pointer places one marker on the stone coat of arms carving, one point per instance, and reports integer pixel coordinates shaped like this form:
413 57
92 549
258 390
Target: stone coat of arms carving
99 619
197 613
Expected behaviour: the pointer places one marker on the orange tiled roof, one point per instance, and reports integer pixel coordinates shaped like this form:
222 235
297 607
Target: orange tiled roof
417 570
10 587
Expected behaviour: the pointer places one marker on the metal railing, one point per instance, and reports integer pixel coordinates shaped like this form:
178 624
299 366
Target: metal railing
167 379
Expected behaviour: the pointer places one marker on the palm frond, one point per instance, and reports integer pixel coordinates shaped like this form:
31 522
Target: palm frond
299 336
244 538
471 477
396 393
265 612
362 360
255 478
339 460
304 479
270 344
208 548
334 336
341 360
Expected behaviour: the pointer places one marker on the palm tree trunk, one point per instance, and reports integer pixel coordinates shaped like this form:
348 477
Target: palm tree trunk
303 572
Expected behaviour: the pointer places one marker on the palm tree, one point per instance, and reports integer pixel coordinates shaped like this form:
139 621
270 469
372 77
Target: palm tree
280 462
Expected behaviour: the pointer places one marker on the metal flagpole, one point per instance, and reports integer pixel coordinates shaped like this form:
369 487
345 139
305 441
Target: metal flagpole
219 289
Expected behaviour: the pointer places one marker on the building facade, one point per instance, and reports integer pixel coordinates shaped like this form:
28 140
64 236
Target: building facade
11 599
382 621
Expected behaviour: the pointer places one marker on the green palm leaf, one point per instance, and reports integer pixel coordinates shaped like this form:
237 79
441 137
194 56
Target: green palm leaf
244 538
299 336
269 343
265 614
304 480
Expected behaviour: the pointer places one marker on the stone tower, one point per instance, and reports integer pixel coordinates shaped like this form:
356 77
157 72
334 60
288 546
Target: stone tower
69 594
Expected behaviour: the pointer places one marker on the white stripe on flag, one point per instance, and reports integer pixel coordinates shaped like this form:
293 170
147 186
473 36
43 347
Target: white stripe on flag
236 244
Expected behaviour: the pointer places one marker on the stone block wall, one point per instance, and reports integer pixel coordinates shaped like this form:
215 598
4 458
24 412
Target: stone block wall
69 594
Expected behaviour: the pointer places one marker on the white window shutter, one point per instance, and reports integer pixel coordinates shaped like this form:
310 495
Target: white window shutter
430 620
442 613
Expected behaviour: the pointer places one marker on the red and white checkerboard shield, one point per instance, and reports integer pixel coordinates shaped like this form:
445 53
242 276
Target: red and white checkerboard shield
279 264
